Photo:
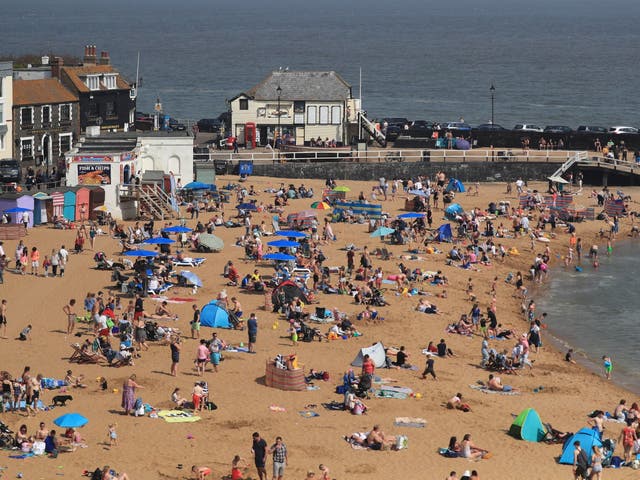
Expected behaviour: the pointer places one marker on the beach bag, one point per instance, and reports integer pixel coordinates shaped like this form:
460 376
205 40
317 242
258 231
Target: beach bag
38 448
402 441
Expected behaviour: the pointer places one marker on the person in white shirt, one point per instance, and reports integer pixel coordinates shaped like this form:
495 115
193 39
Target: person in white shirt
63 255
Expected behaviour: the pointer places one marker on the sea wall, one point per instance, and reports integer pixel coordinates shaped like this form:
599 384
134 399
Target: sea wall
467 172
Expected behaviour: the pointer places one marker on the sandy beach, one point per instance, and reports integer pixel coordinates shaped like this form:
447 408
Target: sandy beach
150 448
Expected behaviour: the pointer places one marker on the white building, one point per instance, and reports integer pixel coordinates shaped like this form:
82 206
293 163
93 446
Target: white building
304 105
112 160
6 106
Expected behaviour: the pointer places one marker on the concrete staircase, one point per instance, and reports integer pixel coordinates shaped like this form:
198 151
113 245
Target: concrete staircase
370 128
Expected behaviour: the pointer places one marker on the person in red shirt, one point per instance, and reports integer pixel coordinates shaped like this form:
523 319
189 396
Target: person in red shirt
368 367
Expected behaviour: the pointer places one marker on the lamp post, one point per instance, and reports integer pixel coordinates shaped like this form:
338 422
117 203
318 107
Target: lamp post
279 92
492 89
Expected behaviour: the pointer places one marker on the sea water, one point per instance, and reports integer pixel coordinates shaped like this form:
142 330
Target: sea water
569 62
597 311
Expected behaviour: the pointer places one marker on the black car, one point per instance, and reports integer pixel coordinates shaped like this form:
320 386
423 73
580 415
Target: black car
176 126
10 171
557 129
209 125
592 129
490 127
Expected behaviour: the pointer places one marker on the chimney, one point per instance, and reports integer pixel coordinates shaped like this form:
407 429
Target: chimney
89 55
104 58
45 60
56 66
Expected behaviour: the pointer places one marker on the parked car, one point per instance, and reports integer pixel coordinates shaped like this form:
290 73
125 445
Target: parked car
527 127
618 130
209 125
420 128
457 126
557 129
176 126
399 121
10 171
591 129
490 127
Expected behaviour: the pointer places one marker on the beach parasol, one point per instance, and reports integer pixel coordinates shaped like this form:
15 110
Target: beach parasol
196 186
342 188
140 253
191 277
320 206
17 210
247 206
290 234
177 229
283 244
420 193
210 241
101 208
280 257
558 180
159 241
382 231
71 420
411 215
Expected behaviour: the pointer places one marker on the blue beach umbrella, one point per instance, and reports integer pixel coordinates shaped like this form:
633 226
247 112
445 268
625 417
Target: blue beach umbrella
177 229
159 241
411 215
420 193
281 257
191 277
283 243
291 234
196 186
71 420
382 231
17 210
140 253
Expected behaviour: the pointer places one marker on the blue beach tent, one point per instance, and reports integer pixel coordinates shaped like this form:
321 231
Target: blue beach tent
214 316
528 426
587 438
455 185
444 233
452 210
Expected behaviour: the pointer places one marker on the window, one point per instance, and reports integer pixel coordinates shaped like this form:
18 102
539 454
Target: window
65 112
93 82
336 115
92 111
312 112
1 113
26 116
244 104
1 141
26 148
110 81
65 142
110 109
46 115
324 115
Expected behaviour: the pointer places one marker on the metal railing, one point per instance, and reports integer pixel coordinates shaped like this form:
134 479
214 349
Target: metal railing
388 156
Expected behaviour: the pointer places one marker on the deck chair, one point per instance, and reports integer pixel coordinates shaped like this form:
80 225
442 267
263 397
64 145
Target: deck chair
189 262
78 356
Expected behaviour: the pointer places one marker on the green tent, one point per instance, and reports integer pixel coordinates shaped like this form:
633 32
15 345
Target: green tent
528 426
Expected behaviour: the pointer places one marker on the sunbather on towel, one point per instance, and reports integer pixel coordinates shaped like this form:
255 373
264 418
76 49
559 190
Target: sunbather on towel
162 311
496 384
377 440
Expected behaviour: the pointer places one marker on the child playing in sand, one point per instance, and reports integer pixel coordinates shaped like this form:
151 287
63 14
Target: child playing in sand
25 334
201 472
113 436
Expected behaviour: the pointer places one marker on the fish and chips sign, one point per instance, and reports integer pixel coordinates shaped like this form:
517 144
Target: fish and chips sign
94 174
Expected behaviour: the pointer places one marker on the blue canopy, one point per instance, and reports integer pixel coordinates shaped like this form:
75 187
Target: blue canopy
382 231
411 215
17 210
191 277
281 257
444 233
247 206
140 253
283 243
587 438
455 185
177 229
452 210
159 241
71 420
197 186
291 234
420 193
213 315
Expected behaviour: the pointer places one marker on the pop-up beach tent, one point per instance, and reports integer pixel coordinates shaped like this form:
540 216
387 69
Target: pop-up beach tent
528 426
452 210
291 291
444 233
375 352
587 438
215 316
455 185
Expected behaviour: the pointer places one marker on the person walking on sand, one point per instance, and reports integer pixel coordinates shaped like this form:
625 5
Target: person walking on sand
195 322
3 317
63 255
129 393
175 355
580 462
202 355
252 330
35 261
596 463
608 367
280 459
429 368
70 311
259 450
628 437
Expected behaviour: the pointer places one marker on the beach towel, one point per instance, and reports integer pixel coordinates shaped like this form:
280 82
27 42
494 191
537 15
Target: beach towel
277 408
308 414
415 422
391 394
484 389
338 406
389 388
177 416
316 319
23 405
23 456
52 383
